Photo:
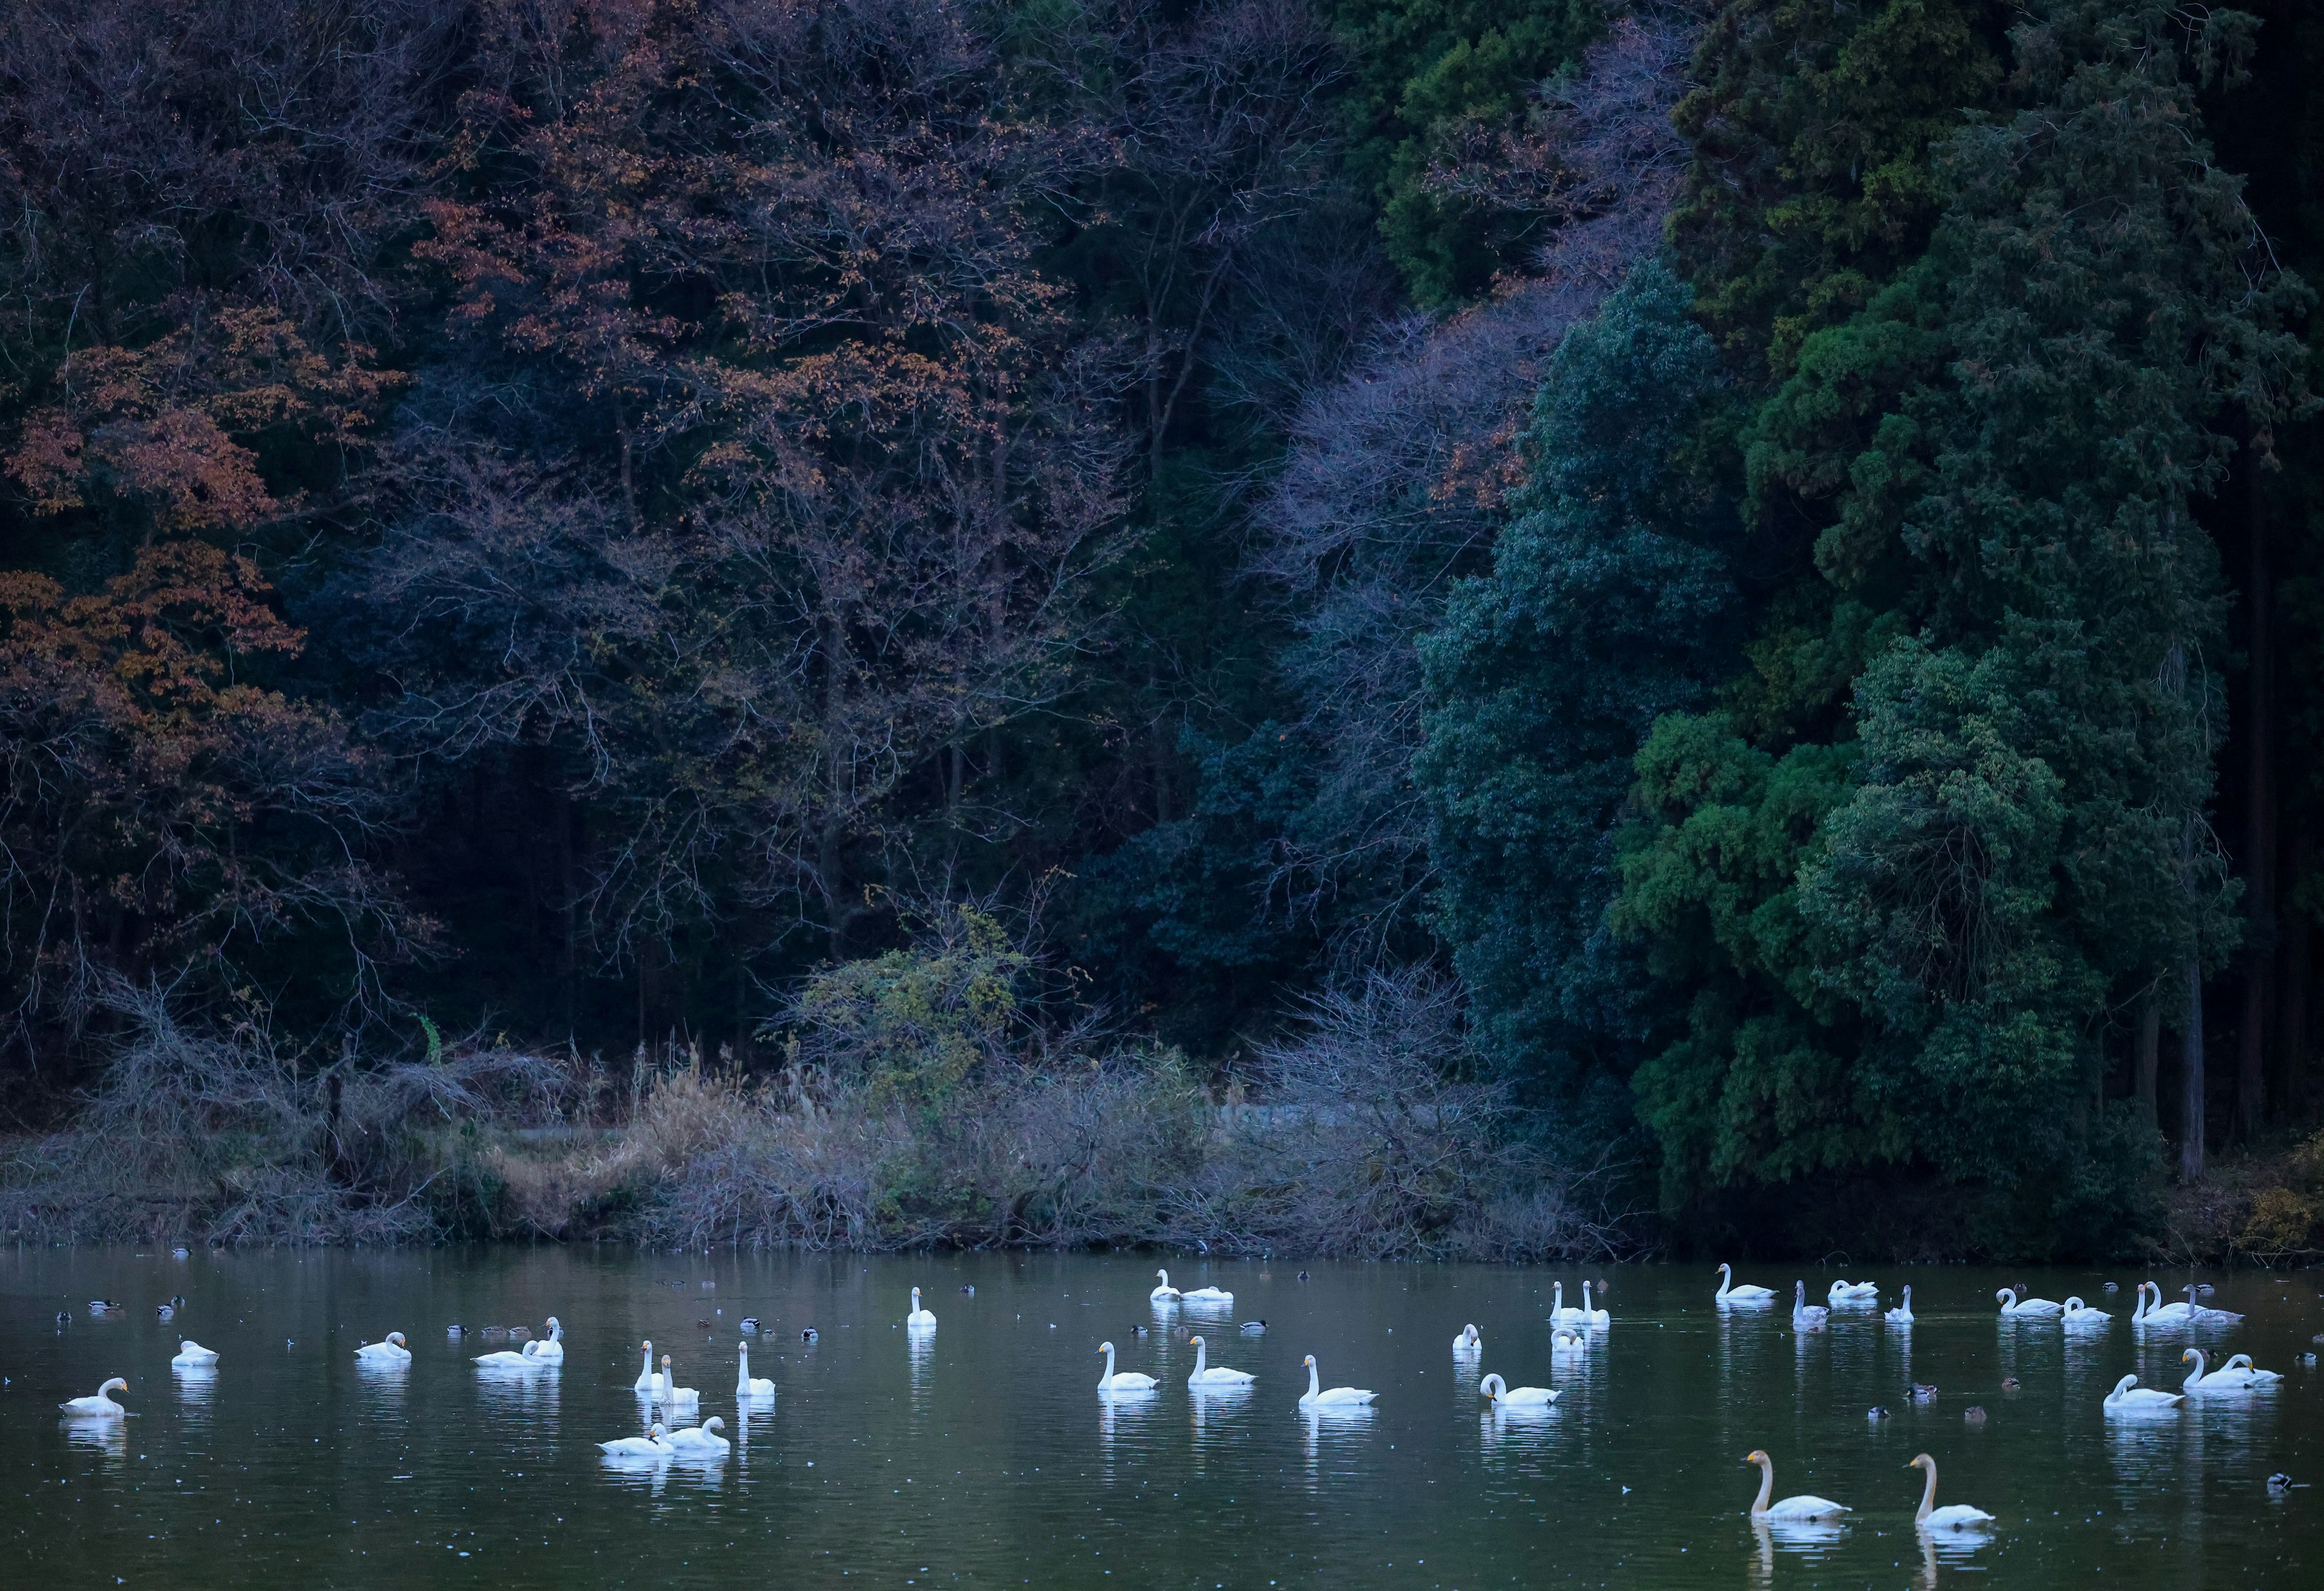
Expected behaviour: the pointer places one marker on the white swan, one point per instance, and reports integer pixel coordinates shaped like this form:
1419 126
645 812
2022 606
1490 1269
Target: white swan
390 1350
2155 1312
1805 1316
1846 1291
1505 1396
100 1407
701 1441
1165 1293
2224 1379
2078 1314
1591 1316
1749 1293
1208 1295
649 1379
1803 1506
1567 1340
2204 1314
528 1358
747 1385
1902 1315
193 1356
2036 1307
1953 1516
551 1350
1559 1314
2259 1377
2130 1398
919 1320
673 1395
654 1444
1470 1341
1114 1381
1317 1396
1207 1375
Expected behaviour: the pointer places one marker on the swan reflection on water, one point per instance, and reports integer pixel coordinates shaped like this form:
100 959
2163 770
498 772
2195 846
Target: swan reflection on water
196 1387
1215 1413
1339 1422
1123 1413
1811 1538
533 1393
108 1436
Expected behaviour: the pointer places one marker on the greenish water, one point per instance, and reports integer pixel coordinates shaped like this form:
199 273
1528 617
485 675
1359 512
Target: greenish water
985 1457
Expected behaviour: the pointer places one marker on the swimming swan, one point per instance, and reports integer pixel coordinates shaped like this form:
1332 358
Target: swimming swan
193 1356
2155 1312
1470 1341
2011 1304
1846 1291
2130 1398
551 1349
1505 1396
1805 1316
1591 1316
528 1358
2078 1314
653 1445
701 1441
391 1350
1802 1506
1208 1295
1165 1293
919 1320
1338 1397
1114 1381
649 1379
1559 1314
1567 1340
2259 1377
1749 1293
1953 1516
2204 1314
100 1406
1207 1375
675 1395
1902 1315
747 1385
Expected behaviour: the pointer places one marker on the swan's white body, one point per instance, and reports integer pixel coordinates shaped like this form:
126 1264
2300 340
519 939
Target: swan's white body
1954 1516
1207 1375
1803 1506
99 1407
2259 1377
649 1379
919 1320
747 1385
2203 1314
527 1358
2032 1308
673 1395
1318 1396
1114 1381
1805 1316
1567 1340
1165 1293
1902 1315
2236 1375
2130 1398
391 1350
1208 1295
193 1356
550 1349
2155 1312
2078 1314
1590 1316
700 1441
655 1444
1470 1341
1749 1293
1505 1396
1846 1291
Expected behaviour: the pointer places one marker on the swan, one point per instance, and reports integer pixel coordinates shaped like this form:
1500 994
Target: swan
1567 1340
701 1441
1805 1316
2041 1308
193 1356
1846 1291
2155 1312
2204 1314
1953 1516
2225 1378
2259 1377
1165 1293
1470 1341
100 1406
919 1320
747 1385
2130 1398
649 1379
1749 1293
1559 1315
675 1395
550 1349
1505 1396
2078 1314
1208 1295
1337 1397
1902 1315
654 1444
388 1350
1114 1381
1591 1316
527 1358
1803 1506
1207 1375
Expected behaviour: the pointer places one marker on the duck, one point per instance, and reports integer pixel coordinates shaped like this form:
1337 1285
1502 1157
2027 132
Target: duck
654 1444
388 1350
455 1331
1207 1375
2130 1398
193 1356
1805 1316
2259 1377
2078 1314
648 1378
1317 1396
1138 1330
1470 1341
527 1358
1846 1291
1877 1412
1922 1393
1164 1293
99 1407
701 1441
1567 1340
1505 1396
1253 1329
64 1317
2031 1308
1114 1381
181 1252
164 1311
1803 1506
747 1385
1902 1315
809 1335
919 1320
673 1395
103 1306
1953 1516
1749 1292
1974 1414
968 1289
749 1323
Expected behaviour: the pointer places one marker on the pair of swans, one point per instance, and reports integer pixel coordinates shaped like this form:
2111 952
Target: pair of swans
1957 1516
661 1386
1166 1294
193 1356
699 1441
99 1407
390 1350
2238 1375
2026 1308
2188 1313
1805 1316
539 1354
1505 1396
1560 1315
2130 1398
920 1320
1208 1377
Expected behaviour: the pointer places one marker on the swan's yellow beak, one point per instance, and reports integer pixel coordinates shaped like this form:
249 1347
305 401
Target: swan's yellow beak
2187 1356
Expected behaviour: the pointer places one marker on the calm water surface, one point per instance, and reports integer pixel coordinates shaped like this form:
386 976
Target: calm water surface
986 1457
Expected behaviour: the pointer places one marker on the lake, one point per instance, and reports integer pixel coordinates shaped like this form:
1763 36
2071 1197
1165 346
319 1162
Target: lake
984 1455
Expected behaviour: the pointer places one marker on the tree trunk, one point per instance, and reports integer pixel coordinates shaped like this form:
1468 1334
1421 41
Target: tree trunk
2292 1030
2150 1057
2259 829
2190 1076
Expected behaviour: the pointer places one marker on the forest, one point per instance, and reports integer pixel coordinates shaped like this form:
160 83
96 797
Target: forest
1397 628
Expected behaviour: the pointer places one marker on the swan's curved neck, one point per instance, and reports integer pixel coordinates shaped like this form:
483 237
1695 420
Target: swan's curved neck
2195 1376
1928 1494
1726 1280
1314 1385
1108 1381
1557 1302
1766 1485
1585 1297
1202 1356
